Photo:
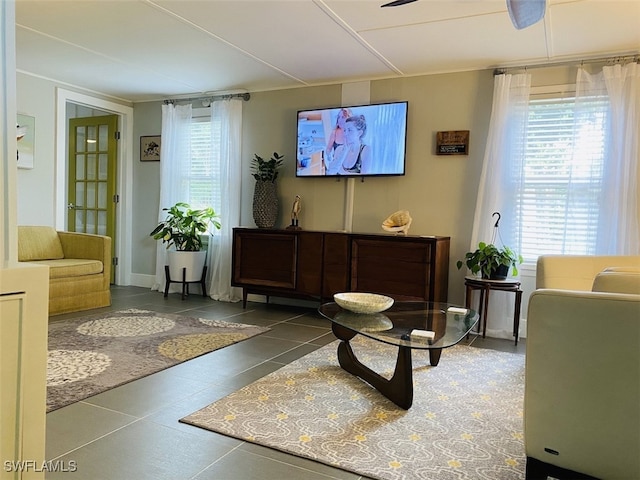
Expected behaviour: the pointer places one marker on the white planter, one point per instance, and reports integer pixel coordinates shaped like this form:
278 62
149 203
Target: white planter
192 261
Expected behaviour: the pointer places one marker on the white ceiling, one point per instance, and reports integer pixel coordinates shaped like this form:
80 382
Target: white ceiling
142 50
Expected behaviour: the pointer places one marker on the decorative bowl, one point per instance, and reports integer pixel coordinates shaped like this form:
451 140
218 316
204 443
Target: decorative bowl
358 302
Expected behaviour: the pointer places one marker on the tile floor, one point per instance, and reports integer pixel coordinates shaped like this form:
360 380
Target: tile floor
132 432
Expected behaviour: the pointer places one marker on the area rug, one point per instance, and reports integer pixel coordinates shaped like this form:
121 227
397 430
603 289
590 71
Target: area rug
465 422
92 354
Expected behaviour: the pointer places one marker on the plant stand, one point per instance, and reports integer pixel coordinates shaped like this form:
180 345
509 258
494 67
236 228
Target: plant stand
485 286
185 284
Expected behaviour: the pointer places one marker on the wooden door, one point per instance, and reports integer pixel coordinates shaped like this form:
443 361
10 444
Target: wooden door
92 177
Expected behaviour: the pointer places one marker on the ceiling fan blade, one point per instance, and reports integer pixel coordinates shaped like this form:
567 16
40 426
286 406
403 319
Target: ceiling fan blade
397 3
525 13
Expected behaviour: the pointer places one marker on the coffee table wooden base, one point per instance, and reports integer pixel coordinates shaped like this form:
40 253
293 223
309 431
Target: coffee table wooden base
399 388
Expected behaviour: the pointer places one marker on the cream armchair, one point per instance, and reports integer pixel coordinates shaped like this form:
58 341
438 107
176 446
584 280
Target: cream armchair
582 381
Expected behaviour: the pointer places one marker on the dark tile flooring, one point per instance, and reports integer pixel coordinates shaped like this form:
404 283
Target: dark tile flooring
132 432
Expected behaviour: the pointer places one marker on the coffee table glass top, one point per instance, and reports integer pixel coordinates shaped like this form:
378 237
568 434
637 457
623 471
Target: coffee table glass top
450 323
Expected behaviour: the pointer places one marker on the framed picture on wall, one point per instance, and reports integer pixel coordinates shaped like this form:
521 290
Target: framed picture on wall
150 148
26 135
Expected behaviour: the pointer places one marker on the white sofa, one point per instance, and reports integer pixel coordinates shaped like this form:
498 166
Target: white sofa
582 381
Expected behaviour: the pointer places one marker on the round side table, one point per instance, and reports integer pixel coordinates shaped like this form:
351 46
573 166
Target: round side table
485 287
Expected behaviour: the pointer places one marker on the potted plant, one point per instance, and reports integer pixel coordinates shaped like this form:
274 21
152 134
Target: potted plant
183 229
266 170
265 198
492 262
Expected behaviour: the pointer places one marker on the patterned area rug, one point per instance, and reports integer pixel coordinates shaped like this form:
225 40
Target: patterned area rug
90 355
465 422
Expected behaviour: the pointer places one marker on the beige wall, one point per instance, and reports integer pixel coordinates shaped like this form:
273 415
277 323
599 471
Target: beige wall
36 194
439 191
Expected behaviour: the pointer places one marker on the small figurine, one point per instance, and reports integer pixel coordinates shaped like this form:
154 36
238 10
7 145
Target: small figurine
295 211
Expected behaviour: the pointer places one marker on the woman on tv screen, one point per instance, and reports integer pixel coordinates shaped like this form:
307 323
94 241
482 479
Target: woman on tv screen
354 156
336 139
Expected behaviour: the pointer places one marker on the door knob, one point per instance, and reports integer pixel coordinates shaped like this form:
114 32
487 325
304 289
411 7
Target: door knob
70 206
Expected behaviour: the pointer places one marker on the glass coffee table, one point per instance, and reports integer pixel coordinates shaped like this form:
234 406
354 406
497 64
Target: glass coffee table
446 324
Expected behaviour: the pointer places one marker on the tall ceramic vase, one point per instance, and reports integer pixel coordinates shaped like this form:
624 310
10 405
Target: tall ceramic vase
265 204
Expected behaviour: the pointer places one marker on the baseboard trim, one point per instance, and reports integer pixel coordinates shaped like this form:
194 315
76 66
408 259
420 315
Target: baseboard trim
142 280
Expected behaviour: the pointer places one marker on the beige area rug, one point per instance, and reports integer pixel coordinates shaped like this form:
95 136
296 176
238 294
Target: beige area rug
465 422
92 354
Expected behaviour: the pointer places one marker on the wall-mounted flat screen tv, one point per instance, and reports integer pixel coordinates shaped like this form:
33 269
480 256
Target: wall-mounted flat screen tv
363 140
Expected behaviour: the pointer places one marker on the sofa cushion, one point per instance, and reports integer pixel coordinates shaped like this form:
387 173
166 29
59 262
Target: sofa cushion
38 243
618 280
71 267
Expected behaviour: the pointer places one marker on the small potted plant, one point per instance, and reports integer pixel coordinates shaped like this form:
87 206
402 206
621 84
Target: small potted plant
183 229
265 196
266 170
492 262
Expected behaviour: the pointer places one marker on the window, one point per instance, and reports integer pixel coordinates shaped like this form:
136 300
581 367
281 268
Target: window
558 187
202 180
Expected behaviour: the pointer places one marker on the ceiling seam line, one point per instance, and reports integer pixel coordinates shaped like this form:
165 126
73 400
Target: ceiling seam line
108 57
429 22
331 14
127 101
226 42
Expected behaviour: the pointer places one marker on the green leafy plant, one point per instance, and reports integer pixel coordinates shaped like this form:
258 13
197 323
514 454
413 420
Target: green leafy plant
487 258
184 226
266 170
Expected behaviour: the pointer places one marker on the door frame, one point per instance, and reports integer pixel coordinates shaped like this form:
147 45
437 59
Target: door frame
124 177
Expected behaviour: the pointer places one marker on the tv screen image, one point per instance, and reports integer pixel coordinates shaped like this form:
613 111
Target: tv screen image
363 140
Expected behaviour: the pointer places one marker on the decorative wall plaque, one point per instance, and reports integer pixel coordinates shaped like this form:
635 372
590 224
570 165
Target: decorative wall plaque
455 142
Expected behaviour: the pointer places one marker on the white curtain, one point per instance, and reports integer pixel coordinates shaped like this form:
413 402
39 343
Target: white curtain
618 231
174 159
618 227
227 114
503 155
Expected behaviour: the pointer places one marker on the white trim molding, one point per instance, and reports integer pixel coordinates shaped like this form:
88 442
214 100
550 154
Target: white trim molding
124 186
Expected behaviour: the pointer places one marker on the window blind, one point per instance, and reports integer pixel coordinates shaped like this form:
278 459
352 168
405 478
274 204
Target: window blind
202 181
560 178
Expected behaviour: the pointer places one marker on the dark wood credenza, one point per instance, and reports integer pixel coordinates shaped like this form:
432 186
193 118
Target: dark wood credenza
314 265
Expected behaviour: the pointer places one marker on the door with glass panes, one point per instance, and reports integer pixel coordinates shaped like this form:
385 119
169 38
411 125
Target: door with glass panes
92 176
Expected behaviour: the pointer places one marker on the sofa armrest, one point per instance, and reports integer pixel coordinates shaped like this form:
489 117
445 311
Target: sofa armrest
89 246
582 388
